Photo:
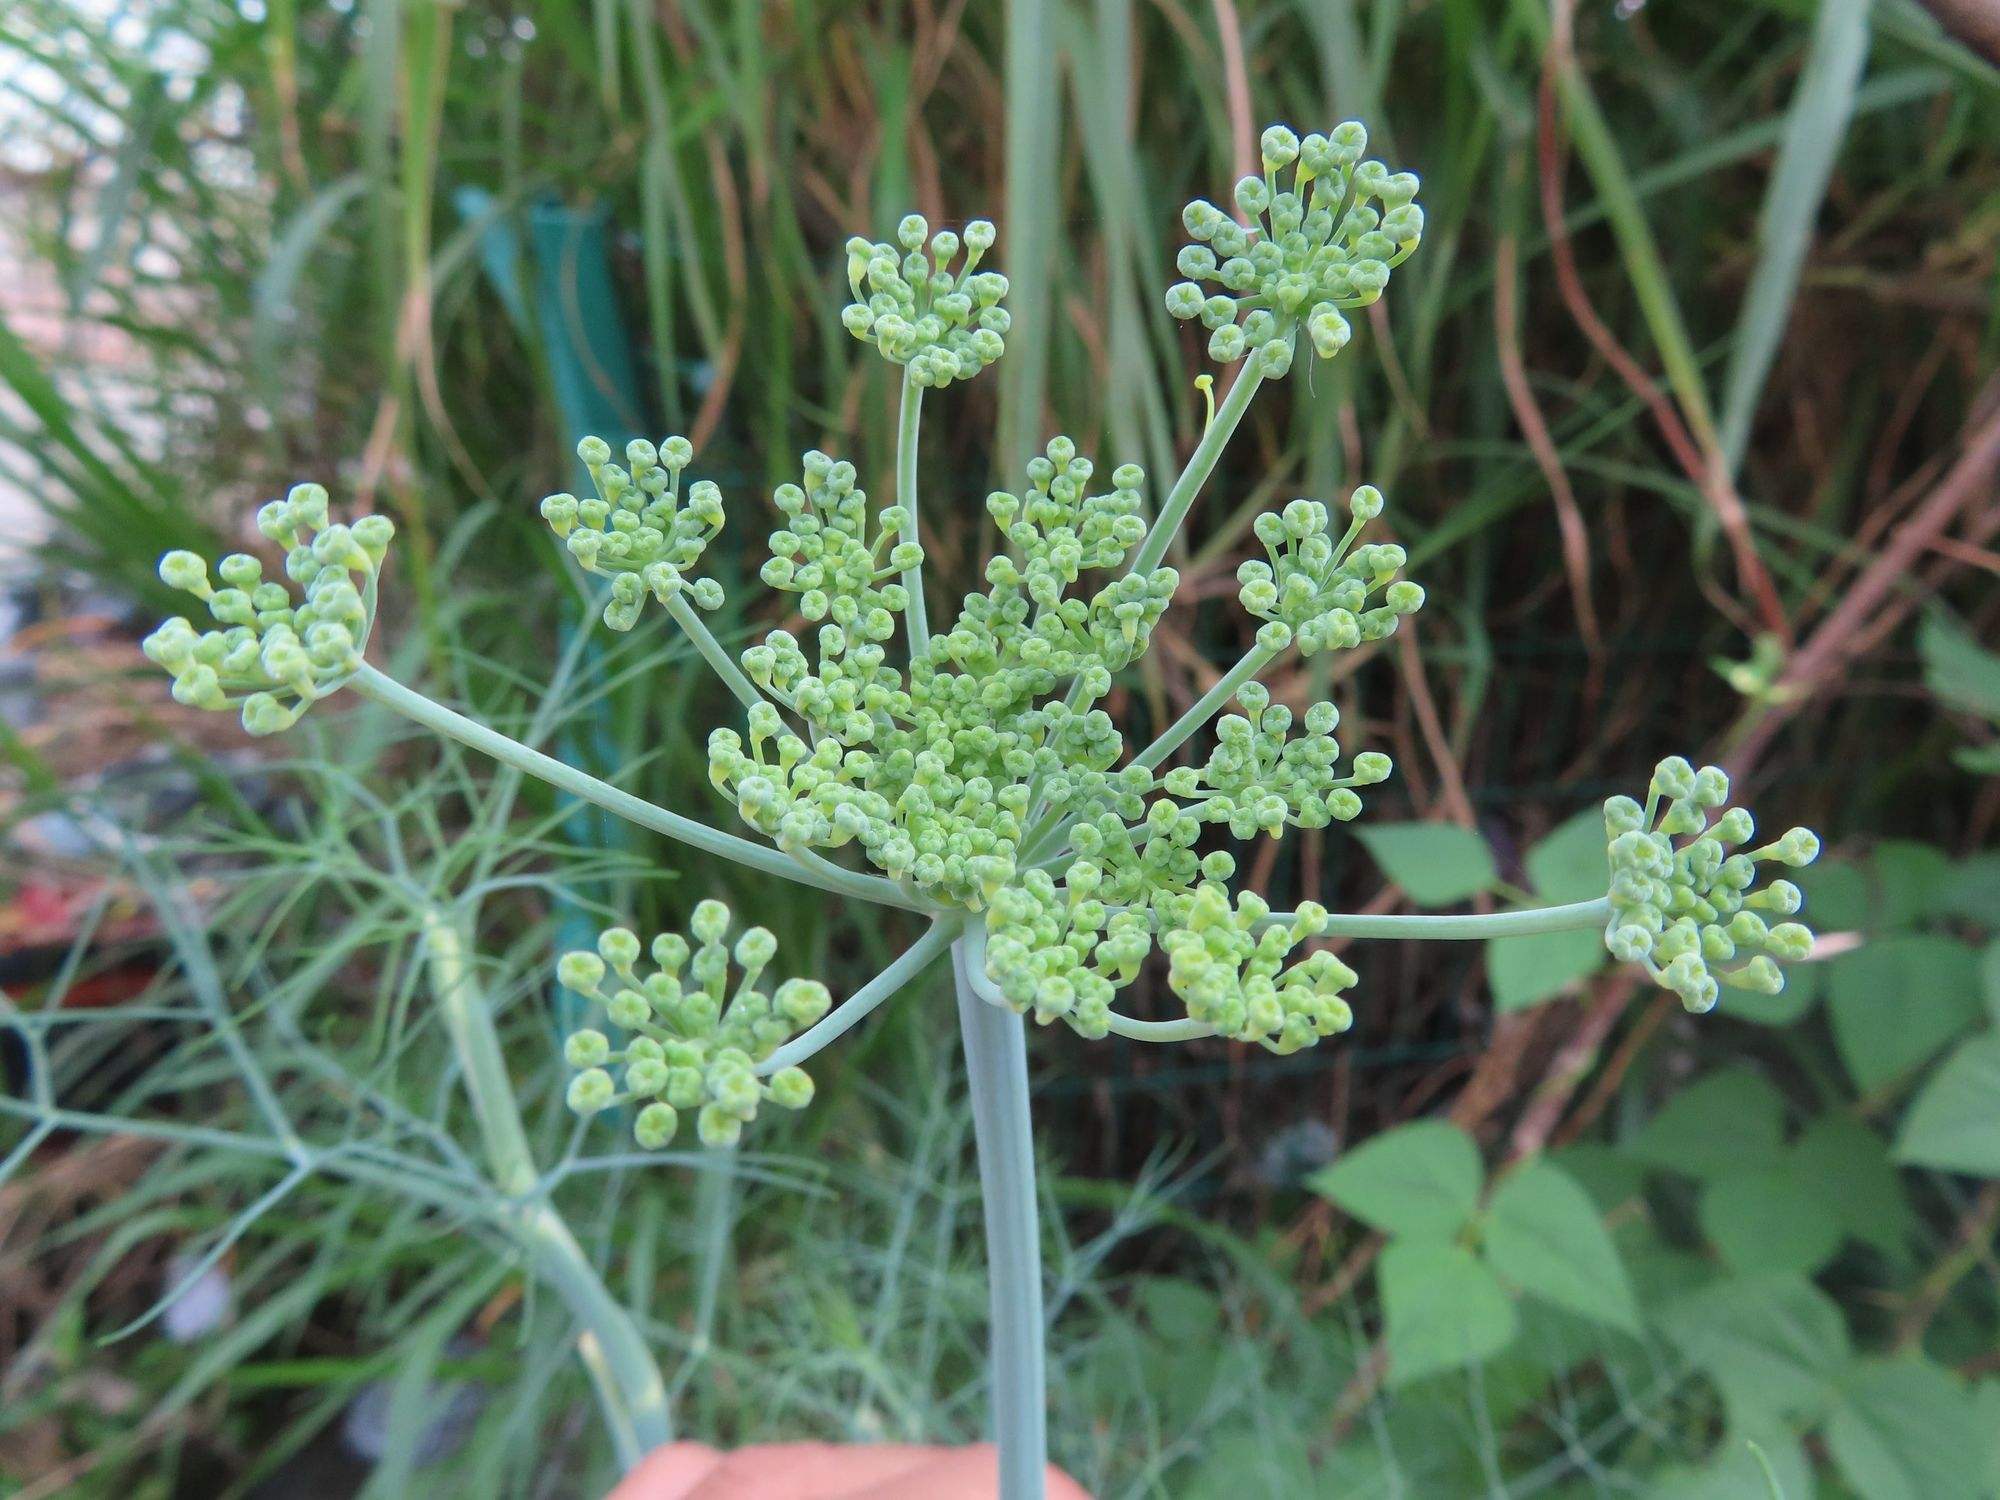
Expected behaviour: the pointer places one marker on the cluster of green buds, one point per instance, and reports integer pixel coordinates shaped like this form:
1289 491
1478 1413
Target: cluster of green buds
823 553
1227 964
1317 587
1261 779
1302 252
1691 912
276 653
941 325
692 1041
638 530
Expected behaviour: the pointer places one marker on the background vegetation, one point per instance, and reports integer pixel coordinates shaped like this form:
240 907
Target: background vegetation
1685 415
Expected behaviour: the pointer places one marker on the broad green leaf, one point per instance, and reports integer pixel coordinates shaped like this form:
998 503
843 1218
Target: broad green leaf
1838 895
1848 1165
1544 1234
1974 888
1897 1001
1910 881
1609 1175
1989 976
1957 670
1538 966
1420 1179
1570 864
1733 1473
1769 1219
1441 1307
1724 1121
1954 1124
1435 863
1906 1430
1773 1345
1986 1409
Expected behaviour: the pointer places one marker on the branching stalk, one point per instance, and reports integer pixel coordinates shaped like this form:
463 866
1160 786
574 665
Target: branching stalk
852 1011
1201 463
413 705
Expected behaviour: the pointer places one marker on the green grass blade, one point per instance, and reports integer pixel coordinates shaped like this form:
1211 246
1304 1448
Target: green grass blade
1817 126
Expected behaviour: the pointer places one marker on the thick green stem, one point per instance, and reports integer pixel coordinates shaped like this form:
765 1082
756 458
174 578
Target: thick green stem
462 1006
996 1062
1254 661
628 1380
453 725
1201 463
613 1350
909 424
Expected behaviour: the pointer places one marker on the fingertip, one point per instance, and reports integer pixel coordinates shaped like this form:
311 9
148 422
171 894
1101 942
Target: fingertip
669 1472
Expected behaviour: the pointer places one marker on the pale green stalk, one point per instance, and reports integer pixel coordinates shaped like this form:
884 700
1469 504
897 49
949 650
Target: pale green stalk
1253 661
1201 463
996 1063
909 423
857 1007
712 651
808 870
628 1382
1467 925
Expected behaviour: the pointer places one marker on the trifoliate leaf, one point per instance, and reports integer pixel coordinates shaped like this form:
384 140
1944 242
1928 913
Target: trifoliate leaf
1442 1309
1537 966
1766 1218
1420 1180
1899 1000
1569 864
1544 1234
1435 863
1726 1119
1954 1124
1773 1345
1906 1429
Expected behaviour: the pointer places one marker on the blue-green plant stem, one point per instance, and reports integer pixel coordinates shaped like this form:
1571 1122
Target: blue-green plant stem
613 1350
996 1063
1201 463
809 869
1468 925
857 1007
712 651
461 1005
909 424
1252 662
628 1381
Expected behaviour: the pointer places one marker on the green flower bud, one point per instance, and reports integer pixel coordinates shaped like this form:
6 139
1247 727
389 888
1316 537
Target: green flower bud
591 1091
791 1088
618 947
587 1049
655 1126
581 972
710 922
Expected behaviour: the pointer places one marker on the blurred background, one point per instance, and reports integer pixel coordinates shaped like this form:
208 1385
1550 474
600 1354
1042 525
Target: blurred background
1685 413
